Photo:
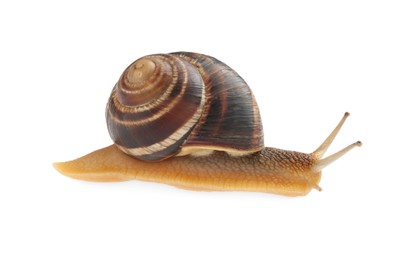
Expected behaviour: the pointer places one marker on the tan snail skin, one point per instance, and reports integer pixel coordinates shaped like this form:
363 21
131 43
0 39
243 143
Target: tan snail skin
189 120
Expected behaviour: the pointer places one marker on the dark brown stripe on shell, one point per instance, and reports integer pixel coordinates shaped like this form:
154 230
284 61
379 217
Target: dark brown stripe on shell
231 119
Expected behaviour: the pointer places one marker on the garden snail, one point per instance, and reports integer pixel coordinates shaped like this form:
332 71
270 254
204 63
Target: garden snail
189 120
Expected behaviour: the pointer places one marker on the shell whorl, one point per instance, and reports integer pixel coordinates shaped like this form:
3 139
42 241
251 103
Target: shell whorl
175 104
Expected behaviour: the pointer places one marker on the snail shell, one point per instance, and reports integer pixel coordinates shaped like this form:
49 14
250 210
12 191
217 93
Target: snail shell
182 103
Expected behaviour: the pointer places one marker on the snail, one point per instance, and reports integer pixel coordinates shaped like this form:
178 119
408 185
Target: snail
189 120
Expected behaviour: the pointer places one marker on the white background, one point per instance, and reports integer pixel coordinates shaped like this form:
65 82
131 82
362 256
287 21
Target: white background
307 62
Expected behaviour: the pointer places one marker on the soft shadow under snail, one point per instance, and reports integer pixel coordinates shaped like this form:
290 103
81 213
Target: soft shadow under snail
189 120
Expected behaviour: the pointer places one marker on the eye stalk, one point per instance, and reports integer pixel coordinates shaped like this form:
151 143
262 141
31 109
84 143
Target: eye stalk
320 151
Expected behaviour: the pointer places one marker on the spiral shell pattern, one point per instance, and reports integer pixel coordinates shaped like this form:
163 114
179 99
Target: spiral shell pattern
174 104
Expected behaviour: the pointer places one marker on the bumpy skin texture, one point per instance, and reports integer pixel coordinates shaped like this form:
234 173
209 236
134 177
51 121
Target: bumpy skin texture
270 170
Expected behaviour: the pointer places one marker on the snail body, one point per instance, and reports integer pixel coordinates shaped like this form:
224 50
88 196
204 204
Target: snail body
189 120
